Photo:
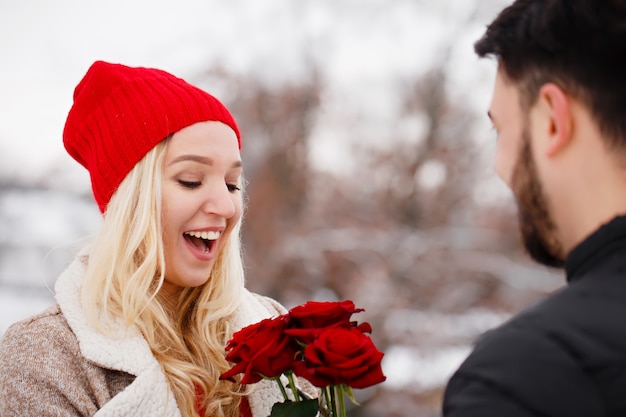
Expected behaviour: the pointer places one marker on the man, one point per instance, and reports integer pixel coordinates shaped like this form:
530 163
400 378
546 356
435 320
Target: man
559 107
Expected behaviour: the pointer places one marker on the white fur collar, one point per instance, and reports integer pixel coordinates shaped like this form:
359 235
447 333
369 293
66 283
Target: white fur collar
149 395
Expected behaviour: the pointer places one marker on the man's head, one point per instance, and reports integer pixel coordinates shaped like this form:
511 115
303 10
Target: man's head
580 45
560 82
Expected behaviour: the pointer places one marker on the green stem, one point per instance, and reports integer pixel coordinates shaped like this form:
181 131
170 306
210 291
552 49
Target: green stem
282 388
326 399
292 385
333 404
342 404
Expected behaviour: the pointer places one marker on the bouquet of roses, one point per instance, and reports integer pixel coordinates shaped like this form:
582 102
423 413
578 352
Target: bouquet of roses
316 341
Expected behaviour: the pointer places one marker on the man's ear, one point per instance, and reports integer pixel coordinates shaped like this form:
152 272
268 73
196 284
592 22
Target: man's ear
555 110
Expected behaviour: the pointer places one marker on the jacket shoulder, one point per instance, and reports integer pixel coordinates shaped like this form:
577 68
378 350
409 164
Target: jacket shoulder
42 371
36 331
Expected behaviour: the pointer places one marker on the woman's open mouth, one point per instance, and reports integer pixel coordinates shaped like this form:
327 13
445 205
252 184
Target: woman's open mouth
203 242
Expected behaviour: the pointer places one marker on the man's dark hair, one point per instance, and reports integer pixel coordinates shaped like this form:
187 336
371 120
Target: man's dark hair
579 45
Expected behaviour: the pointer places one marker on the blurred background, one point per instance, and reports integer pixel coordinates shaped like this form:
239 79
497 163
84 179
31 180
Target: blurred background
365 142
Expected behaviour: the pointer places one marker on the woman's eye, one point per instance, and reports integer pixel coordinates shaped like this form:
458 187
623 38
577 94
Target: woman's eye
190 184
233 187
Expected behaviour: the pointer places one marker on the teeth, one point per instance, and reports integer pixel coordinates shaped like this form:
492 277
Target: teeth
205 235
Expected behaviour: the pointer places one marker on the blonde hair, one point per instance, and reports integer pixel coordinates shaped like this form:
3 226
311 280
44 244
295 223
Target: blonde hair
125 271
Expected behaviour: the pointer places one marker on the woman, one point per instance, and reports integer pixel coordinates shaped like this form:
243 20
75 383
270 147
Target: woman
143 315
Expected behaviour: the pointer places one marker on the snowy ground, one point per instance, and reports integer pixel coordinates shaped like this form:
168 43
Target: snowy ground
405 366
56 224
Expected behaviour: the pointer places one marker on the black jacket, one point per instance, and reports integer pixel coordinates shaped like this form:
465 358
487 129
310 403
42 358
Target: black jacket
564 357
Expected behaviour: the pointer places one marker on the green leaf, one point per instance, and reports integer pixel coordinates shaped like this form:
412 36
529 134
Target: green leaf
350 394
306 408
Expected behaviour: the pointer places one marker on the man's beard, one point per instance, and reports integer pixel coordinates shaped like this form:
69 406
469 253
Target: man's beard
535 221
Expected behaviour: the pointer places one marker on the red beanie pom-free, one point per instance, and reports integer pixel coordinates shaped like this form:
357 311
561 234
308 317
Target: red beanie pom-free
120 113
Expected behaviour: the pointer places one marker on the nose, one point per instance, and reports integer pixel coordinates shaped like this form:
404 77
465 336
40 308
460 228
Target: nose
221 201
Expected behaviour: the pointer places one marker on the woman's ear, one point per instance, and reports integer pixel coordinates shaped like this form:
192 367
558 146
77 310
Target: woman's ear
554 110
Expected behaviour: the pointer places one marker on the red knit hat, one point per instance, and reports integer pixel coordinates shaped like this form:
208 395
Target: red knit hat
120 113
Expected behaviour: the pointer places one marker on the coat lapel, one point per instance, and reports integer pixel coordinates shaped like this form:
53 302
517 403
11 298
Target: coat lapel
127 351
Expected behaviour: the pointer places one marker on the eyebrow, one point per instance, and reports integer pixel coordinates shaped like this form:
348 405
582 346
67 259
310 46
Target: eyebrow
201 160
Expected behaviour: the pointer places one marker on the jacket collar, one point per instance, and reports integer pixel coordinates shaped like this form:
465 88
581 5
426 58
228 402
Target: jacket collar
126 350
596 248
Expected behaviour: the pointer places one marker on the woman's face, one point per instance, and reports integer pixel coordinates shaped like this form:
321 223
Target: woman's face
201 201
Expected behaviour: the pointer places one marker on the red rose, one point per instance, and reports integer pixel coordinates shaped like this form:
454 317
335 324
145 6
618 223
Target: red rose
318 314
261 350
341 355
310 319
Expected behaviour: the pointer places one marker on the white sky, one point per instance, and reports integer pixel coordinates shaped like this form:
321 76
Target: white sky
363 47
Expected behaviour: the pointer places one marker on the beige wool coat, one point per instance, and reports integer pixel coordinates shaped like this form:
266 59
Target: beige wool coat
56 364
